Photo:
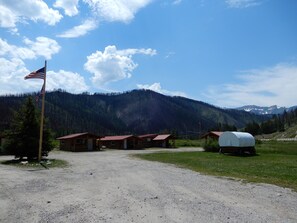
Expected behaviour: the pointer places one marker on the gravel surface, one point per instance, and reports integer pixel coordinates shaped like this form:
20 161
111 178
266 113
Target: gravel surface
111 186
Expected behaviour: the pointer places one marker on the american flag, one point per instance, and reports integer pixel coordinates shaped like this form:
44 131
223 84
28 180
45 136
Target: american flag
39 74
42 91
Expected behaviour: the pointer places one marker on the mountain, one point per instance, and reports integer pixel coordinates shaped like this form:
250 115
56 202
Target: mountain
134 112
272 110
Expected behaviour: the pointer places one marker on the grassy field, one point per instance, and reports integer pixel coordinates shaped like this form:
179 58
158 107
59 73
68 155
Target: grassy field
275 163
189 143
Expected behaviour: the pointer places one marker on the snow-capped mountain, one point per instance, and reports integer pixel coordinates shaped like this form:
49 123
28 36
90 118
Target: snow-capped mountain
271 110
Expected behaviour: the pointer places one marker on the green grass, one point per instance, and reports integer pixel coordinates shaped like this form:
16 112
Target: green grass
275 163
50 163
189 143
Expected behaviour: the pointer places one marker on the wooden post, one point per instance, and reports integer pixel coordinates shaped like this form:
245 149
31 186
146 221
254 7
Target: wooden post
42 115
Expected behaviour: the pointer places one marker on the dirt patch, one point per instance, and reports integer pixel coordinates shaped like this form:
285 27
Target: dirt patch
112 186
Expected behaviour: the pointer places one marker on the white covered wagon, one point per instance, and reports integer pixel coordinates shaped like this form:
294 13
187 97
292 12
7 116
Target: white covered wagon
237 142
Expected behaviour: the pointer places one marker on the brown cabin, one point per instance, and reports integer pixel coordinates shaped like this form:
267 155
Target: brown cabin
164 141
119 142
146 141
78 142
212 135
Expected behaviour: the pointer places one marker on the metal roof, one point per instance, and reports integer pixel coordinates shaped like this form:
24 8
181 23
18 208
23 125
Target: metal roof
147 136
76 135
162 137
116 138
216 133
212 133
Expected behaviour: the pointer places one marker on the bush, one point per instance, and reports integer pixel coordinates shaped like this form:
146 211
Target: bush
211 145
258 142
188 143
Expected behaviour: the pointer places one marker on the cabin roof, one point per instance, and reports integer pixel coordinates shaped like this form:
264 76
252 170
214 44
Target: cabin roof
116 138
215 134
147 136
162 137
77 135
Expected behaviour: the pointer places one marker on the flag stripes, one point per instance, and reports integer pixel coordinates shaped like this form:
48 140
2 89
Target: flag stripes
39 74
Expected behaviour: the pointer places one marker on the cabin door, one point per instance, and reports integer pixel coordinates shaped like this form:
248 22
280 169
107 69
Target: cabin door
90 144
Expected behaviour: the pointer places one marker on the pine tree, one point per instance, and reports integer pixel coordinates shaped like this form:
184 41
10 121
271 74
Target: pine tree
253 128
23 136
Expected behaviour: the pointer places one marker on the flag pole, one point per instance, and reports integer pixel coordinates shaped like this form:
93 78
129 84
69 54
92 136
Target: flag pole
42 115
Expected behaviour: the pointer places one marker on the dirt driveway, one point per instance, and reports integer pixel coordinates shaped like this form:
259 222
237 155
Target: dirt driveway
111 186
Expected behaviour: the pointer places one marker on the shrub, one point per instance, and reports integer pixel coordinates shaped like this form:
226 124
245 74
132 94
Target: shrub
211 145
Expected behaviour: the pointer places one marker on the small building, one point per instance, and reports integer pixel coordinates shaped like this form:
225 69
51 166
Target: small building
164 141
146 141
212 135
78 142
237 142
119 142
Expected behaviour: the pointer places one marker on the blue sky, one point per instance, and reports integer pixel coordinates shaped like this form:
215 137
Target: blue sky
228 53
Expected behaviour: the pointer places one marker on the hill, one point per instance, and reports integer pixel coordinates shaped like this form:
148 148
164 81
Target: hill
135 112
288 133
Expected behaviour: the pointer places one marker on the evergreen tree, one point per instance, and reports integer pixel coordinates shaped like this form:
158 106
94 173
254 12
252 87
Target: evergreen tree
23 136
253 128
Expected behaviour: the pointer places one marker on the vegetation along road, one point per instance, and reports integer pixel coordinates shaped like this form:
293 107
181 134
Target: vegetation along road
112 186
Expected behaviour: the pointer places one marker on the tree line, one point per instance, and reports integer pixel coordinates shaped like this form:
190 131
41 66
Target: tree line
278 123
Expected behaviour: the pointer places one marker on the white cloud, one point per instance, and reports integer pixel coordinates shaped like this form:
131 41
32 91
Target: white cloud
264 87
79 30
12 12
66 80
242 3
13 69
176 2
169 54
69 6
14 51
42 46
112 64
117 10
7 18
130 52
12 79
108 10
157 88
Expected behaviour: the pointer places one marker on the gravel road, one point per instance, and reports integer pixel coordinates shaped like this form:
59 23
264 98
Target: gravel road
111 186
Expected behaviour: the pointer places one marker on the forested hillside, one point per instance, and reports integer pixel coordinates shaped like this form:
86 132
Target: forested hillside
134 112
277 123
